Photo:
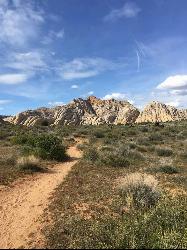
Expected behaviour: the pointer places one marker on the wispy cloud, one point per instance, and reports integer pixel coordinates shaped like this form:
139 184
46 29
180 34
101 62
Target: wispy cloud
56 103
30 61
74 86
52 36
86 67
3 102
13 78
140 54
173 103
90 92
129 10
20 22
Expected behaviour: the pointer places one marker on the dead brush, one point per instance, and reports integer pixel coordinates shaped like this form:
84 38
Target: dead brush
29 164
139 190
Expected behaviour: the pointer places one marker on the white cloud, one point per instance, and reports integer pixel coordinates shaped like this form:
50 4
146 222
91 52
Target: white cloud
181 92
177 85
56 103
129 10
75 86
77 75
131 101
174 82
19 22
174 103
60 34
117 96
13 78
53 35
2 102
90 92
86 67
29 61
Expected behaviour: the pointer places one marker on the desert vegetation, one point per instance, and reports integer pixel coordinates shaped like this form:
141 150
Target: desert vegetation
127 191
27 151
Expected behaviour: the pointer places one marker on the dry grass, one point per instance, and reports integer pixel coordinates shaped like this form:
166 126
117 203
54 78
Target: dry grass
29 164
139 190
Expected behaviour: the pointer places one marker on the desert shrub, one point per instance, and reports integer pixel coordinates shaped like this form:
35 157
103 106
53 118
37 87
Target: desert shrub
49 147
155 137
91 154
99 134
113 159
142 149
45 123
3 135
119 156
151 148
166 152
143 141
29 164
45 146
139 190
132 145
20 139
168 169
144 129
107 140
161 227
131 132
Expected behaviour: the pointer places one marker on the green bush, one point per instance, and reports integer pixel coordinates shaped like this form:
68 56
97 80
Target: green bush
99 134
91 154
45 146
164 152
168 169
155 137
113 159
119 156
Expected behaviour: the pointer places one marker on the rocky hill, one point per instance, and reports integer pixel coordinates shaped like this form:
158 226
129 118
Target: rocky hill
95 111
92 111
159 112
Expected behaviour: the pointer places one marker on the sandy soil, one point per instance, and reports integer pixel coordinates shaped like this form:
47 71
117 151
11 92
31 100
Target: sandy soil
22 205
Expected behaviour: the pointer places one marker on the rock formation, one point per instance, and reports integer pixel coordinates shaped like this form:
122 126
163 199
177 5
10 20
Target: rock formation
159 112
92 111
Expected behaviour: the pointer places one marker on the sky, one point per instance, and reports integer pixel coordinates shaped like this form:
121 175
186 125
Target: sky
52 51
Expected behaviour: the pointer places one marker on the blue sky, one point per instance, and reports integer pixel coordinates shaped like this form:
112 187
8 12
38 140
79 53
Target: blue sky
52 51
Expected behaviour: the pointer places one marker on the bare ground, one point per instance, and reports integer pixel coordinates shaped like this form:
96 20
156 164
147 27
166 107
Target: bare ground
22 205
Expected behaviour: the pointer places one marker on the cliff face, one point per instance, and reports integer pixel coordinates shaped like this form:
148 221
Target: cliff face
159 112
92 111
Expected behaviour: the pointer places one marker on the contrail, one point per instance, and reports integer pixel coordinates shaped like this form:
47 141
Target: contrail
138 61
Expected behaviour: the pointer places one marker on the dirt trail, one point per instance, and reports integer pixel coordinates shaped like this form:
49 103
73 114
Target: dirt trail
22 206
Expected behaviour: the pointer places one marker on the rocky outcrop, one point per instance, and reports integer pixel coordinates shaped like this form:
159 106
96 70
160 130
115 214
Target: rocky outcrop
159 112
113 111
92 111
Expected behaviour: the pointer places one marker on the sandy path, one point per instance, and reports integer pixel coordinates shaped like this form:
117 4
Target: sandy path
22 206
